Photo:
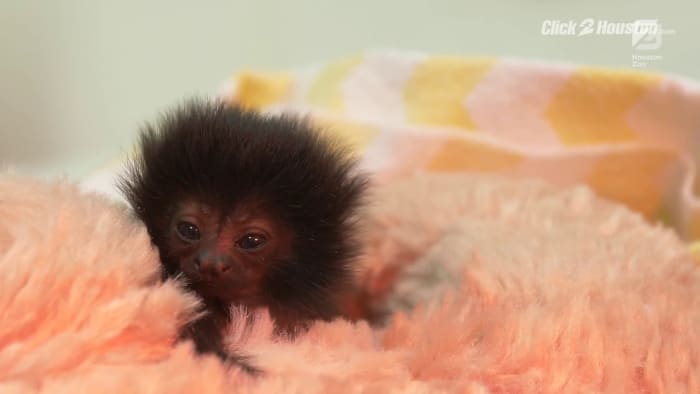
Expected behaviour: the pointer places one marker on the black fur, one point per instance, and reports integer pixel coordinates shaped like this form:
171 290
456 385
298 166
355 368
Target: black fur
221 155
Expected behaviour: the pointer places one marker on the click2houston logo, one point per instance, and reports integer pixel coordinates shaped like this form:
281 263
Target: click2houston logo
646 34
554 27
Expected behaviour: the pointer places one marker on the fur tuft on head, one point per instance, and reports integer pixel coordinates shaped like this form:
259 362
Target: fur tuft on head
222 155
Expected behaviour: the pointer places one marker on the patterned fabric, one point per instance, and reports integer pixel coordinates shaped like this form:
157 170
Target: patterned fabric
633 137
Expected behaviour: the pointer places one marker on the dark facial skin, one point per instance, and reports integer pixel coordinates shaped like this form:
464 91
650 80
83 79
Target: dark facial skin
225 255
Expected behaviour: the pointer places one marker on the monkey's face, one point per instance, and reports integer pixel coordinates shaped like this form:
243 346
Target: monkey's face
226 255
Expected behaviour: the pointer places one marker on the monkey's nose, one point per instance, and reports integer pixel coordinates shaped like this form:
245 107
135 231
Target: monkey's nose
213 264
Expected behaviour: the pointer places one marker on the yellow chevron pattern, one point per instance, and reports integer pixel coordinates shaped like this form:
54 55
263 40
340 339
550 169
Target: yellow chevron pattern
591 107
481 157
435 93
326 89
257 90
634 177
565 113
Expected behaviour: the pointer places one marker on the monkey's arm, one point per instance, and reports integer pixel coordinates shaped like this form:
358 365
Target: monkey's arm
207 335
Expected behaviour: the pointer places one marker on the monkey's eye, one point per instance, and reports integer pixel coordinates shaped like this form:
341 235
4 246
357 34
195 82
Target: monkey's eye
188 231
251 241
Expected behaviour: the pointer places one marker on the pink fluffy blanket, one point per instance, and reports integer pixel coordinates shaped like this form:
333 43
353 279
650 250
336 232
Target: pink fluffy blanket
494 285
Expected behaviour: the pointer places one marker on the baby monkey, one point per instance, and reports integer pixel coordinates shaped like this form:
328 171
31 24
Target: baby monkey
251 210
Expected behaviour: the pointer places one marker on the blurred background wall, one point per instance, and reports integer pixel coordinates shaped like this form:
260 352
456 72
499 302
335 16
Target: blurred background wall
78 77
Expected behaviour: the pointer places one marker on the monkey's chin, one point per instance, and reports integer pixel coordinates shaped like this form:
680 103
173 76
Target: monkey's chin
226 293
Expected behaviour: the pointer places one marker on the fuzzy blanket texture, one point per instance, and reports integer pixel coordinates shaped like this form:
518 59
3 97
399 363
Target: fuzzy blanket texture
494 283
524 288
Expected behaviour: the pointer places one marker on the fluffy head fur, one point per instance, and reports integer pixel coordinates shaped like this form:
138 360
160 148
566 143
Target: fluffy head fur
221 156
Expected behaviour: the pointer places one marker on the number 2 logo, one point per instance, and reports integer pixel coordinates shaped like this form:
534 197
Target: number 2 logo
586 27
